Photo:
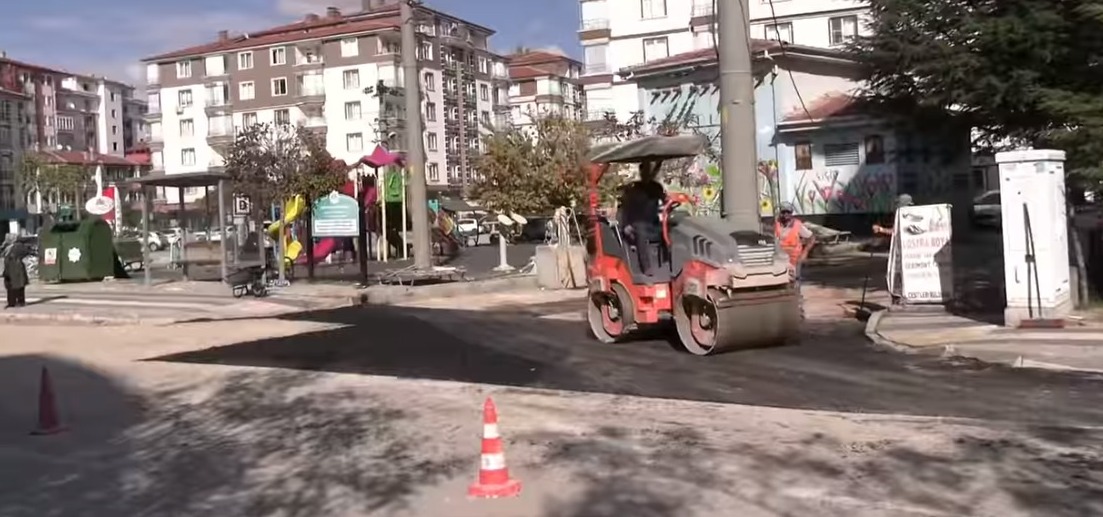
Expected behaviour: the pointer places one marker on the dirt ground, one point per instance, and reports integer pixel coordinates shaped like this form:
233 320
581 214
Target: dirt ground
152 437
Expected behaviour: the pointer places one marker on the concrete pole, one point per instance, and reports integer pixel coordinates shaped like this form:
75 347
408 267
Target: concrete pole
737 130
222 228
147 265
415 157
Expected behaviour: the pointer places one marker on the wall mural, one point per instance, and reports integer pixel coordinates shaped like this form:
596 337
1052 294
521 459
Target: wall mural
768 190
831 191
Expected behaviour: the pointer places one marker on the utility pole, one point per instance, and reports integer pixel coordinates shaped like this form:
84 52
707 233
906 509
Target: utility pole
739 155
415 155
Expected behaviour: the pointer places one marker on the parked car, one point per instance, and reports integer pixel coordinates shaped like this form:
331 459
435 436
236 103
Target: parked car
155 241
986 210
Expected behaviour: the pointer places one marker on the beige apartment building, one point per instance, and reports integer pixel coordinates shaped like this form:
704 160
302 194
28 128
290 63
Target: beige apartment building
338 73
543 83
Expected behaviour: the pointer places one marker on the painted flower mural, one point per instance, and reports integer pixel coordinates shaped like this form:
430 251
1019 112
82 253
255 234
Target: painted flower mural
834 192
767 187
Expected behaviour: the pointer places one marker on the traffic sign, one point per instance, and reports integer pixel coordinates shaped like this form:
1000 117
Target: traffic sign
242 205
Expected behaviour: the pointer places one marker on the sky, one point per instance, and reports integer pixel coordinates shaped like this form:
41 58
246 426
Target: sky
109 37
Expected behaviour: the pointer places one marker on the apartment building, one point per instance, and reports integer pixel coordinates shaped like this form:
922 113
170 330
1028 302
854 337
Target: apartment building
14 109
543 83
98 114
339 74
649 30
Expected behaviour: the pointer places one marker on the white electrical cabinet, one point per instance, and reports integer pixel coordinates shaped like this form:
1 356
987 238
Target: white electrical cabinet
1035 235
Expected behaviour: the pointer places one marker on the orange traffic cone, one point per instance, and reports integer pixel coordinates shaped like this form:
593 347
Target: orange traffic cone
494 478
48 420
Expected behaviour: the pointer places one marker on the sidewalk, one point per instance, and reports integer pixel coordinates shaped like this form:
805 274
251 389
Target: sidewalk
933 331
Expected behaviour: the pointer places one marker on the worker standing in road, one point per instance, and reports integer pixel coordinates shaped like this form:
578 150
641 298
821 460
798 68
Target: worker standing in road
796 240
896 289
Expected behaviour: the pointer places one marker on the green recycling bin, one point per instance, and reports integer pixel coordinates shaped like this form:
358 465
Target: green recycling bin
78 252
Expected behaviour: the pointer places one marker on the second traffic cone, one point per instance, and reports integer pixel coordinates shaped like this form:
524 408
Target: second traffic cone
48 420
494 480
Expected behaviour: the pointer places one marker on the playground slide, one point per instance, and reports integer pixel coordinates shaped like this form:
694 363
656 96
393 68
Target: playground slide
292 211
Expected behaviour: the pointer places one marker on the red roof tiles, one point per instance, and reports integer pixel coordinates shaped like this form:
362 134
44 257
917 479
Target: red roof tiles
831 105
518 73
324 28
82 158
701 56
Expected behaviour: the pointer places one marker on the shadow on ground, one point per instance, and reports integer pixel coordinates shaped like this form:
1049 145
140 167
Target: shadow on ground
658 473
833 368
254 443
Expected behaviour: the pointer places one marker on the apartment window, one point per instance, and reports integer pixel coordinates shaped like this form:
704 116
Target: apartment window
187 127
352 110
425 51
114 114
248 119
484 92
246 91
283 117
875 150
842 28
838 155
187 157
63 123
244 60
351 78
114 130
595 56
431 141
430 82
803 152
184 98
485 117
650 9
780 32
279 87
279 56
183 69
114 146
431 111
655 48
434 172
354 142
349 47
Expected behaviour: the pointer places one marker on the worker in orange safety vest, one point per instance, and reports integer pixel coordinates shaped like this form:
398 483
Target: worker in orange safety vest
795 239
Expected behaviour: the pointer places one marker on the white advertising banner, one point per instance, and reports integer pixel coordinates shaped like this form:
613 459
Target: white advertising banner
922 236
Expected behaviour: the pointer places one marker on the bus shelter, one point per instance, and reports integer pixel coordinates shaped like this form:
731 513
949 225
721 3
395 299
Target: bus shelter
180 182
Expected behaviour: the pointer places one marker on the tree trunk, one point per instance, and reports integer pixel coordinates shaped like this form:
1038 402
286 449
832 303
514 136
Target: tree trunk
1081 265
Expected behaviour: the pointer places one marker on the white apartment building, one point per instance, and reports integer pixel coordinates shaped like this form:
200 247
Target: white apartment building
337 74
616 34
543 83
92 113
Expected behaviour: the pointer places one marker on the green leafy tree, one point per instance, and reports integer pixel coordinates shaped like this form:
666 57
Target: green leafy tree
1017 71
536 169
57 183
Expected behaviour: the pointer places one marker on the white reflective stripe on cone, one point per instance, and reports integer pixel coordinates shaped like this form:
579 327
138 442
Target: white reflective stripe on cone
493 461
490 431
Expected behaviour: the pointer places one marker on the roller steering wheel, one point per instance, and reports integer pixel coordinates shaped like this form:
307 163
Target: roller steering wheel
672 202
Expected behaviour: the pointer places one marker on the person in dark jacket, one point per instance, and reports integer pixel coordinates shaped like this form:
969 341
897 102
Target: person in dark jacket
640 207
15 272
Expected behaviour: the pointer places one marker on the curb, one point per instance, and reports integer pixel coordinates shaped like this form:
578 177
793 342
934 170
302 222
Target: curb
394 294
1010 359
883 342
81 319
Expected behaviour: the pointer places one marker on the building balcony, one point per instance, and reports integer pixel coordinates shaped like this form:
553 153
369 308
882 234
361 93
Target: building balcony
597 69
311 95
220 137
153 115
703 14
217 106
597 28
